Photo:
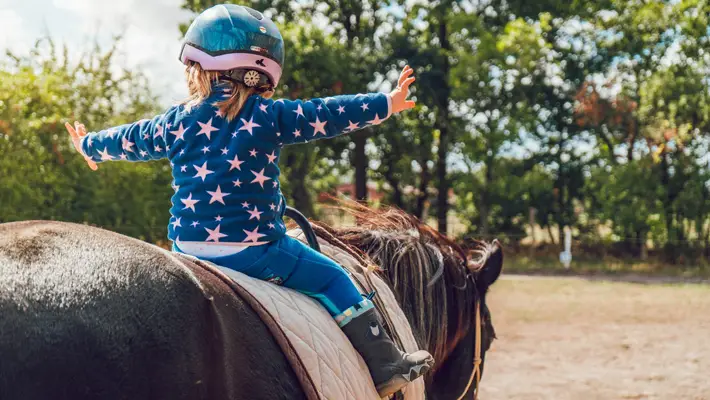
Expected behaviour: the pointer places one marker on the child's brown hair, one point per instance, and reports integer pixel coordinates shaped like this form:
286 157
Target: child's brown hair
199 84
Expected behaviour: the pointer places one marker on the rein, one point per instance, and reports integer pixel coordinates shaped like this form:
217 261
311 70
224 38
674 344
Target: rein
476 372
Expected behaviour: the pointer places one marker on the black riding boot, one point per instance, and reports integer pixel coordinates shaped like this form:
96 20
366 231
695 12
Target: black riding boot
390 368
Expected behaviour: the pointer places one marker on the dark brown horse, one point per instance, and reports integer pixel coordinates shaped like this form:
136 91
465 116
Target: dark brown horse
90 314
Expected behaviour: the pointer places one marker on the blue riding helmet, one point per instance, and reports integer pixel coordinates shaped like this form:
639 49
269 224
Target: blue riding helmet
238 40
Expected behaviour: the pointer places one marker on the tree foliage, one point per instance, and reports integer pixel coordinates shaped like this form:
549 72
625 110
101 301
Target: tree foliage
594 114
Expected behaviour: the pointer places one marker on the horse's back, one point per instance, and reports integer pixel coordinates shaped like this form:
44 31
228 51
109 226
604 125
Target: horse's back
86 313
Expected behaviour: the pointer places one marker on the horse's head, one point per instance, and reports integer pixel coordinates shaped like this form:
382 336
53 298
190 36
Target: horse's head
439 286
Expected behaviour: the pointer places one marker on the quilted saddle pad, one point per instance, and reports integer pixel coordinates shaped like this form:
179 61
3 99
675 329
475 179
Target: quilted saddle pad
318 350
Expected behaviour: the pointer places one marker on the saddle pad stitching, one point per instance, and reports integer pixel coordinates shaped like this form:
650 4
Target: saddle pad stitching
250 300
346 384
321 359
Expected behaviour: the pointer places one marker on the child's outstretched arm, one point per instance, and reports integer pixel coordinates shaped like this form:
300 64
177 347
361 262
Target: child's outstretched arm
140 141
299 121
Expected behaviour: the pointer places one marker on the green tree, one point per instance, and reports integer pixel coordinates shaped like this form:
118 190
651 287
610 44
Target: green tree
41 175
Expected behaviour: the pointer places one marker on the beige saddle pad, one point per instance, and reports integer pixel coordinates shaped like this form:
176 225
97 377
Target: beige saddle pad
328 366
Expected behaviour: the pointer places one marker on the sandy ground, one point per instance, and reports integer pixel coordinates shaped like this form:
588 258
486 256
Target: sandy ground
568 338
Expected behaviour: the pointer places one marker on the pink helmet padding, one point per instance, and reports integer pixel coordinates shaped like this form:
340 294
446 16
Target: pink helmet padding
225 62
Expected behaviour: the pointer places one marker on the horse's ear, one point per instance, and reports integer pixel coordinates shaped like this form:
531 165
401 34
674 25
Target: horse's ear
492 267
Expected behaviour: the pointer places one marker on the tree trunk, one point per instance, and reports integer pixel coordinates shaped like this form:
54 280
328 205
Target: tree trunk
391 178
641 250
552 236
422 196
668 212
360 161
443 125
359 138
486 197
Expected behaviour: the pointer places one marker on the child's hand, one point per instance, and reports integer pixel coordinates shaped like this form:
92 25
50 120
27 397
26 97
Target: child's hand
399 94
76 135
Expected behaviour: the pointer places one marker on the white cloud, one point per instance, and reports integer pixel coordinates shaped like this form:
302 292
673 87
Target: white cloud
151 38
14 36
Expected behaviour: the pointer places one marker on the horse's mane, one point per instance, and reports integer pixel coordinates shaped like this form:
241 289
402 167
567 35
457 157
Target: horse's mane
428 272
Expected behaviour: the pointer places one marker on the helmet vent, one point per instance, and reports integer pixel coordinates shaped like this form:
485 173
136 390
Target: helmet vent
254 13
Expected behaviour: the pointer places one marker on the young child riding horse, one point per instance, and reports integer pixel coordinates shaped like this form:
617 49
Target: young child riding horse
223 144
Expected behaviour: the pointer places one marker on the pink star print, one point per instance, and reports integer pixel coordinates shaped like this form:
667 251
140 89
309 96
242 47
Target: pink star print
202 171
206 129
297 133
253 152
105 156
341 109
214 234
299 112
127 144
179 133
260 178
376 120
263 107
255 213
364 107
253 236
225 151
249 126
218 195
189 202
158 130
176 223
237 183
352 126
271 157
245 205
235 163
318 127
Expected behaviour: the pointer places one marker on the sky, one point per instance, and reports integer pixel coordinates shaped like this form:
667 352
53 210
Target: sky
151 38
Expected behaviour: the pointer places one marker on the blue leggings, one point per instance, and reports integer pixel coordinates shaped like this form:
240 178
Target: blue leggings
291 263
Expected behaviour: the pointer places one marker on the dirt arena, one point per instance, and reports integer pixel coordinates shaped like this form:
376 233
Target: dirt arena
570 338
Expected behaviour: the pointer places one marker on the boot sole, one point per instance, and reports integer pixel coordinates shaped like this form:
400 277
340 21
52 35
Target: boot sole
399 381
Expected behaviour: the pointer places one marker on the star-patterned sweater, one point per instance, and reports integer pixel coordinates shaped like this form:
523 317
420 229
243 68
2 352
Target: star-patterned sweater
226 174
